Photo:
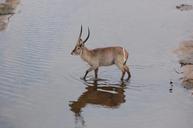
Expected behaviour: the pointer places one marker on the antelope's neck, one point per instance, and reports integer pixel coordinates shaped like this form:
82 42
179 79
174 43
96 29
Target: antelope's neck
86 55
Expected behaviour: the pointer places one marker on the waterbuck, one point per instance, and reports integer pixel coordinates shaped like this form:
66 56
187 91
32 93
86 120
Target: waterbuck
101 56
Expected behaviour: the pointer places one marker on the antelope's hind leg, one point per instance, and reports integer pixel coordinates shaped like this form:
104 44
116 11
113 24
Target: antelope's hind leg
126 68
123 74
121 67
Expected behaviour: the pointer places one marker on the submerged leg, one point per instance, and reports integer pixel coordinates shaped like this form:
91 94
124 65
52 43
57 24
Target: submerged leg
123 74
128 72
96 72
87 71
121 67
85 74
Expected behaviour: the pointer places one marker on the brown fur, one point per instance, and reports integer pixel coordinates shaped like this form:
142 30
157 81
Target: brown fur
102 57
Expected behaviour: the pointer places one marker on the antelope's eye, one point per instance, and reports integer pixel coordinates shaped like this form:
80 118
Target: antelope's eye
78 48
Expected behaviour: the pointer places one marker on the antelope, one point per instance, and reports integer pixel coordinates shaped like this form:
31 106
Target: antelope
101 56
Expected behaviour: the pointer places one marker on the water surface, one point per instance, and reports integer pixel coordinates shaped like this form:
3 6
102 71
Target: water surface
40 85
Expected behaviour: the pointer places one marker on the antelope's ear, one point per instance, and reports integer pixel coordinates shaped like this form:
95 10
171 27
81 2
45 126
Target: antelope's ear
79 41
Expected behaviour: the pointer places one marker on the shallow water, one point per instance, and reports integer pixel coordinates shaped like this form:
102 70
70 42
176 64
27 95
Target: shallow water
40 85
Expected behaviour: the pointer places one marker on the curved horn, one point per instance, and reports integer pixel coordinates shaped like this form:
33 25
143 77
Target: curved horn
87 36
80 32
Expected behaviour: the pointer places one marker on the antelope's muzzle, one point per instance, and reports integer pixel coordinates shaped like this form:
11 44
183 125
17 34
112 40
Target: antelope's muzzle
72 53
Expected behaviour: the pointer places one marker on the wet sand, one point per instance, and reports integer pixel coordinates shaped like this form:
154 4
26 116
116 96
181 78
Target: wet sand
40 85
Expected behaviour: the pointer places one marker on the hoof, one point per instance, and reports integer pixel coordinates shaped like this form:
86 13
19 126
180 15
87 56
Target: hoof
128 78
83 78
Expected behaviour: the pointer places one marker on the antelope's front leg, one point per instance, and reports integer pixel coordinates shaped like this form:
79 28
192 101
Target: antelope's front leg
96 73
87 71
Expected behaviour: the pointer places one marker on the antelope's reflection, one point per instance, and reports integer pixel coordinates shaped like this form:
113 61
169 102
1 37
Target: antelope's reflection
7 9
110 96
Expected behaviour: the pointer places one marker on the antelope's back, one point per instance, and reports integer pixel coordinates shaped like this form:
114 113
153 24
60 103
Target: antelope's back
108 55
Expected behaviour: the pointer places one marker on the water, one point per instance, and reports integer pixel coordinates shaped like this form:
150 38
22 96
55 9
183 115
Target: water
40 85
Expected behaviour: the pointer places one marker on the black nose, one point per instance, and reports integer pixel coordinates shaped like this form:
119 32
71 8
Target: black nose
72 52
